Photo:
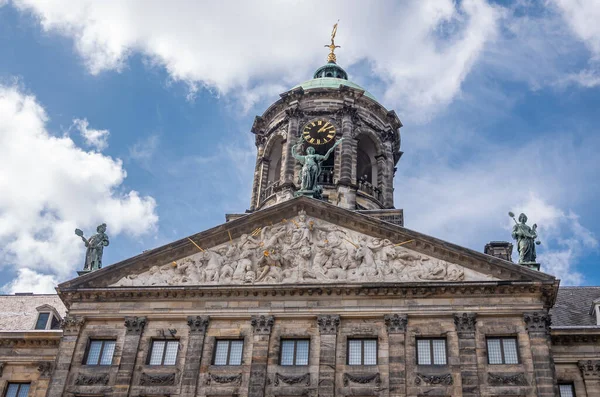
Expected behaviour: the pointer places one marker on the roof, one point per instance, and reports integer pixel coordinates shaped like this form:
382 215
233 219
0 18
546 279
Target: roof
572 307
19 313
330 82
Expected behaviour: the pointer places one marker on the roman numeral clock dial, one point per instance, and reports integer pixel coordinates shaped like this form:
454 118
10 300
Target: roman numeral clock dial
318 132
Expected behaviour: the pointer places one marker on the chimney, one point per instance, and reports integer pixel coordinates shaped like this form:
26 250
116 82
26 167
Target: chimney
499 249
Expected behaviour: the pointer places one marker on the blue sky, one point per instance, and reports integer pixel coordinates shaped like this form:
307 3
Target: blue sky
139 115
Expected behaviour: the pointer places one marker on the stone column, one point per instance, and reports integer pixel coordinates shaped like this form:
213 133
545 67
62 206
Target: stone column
465 328
260 147
71 326
262 326
135 328
193 356
346 149
328 327
538 327
590 371
288 162
396 328
387 189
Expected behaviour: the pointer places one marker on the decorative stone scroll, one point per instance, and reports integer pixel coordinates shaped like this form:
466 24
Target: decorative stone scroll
72 324
90 380
291 380
45 368
589 368
396 323
302 250
441 380
158 379
135 325
362 379
262 325
198 324
498 379
328 323
537 322
465 322
223 379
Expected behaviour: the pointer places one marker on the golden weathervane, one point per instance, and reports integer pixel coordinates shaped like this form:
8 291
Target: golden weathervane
332 46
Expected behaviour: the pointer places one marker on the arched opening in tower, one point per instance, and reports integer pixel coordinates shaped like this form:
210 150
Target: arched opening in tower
366 163
327 166
272 173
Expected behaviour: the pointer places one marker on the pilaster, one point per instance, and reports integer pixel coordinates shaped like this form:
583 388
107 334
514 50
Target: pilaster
193 356
590 371
256 185
261 326
288 163
538 327
396 328
465 328
328 328
71 326
135 328
346 149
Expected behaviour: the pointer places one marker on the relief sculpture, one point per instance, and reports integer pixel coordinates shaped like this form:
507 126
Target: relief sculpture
301 250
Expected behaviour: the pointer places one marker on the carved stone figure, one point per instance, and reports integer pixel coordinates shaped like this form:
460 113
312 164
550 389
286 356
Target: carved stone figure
95 248
525 237
311 168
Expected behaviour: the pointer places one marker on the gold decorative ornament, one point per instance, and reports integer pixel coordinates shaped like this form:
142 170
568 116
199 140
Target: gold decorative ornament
332 46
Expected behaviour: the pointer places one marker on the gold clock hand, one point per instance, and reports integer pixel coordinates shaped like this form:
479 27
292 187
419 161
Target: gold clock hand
323 128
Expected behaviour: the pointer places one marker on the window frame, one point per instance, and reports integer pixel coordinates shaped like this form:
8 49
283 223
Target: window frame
431 355
362 351
227 361
89 346
8 384
164 352
48 320
501 338
572 384
294 357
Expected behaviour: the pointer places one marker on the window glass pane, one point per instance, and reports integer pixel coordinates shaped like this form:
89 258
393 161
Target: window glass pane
424 351
107 353
55 324
171 353
439 351
94 352
302 352
287 352
510 351
23 390
494 353
566 390
12 390
235 355
42 321
354 352
158 347
370 352
221 352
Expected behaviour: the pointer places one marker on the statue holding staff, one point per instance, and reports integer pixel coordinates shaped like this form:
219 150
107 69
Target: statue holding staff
311 165
95 248
526 239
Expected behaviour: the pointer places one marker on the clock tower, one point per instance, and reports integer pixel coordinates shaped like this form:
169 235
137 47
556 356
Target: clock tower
358 174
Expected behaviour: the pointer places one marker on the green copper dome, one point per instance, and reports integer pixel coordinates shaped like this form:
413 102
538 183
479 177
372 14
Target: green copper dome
331 82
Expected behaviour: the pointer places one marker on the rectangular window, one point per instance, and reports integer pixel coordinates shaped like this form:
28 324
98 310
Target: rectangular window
228 352
163 352
17 390
100 352
294 352
42 320
362 351
502 350
566 390
431 351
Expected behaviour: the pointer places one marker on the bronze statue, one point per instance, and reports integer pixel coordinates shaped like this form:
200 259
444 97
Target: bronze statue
526 239
95 248
311 167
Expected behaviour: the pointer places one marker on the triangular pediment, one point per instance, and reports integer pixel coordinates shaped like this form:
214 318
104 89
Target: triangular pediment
305 241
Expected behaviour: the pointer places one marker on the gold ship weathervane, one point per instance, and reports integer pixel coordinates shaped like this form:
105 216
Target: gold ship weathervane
332 46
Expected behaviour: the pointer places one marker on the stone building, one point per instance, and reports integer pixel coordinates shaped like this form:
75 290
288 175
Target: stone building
318 297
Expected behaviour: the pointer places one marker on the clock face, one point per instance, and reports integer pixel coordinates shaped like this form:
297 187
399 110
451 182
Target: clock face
318 132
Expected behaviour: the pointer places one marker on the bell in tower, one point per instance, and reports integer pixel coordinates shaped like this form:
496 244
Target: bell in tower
350 140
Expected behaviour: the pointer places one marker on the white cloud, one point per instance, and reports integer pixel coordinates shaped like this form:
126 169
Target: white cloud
582 16
94 138
422 51
31 281
144 149
49 187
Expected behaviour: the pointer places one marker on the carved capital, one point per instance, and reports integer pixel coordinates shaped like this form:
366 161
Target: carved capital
294 111
262 325
328 324
198 324
396 323
444 379
72 324
135 325
223 379
45 368
537 322
499 379
158 379
589 368
465 322
90 380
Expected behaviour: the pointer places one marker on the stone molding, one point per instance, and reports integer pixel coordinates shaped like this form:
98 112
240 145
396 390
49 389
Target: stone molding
443 379
574 339
45 368
362 379
537 322
71 325
465 322
291 380
223 379
30 343
328 324
589 368
500 379
90 380
158 379
396 323
135 325
262 325
198 324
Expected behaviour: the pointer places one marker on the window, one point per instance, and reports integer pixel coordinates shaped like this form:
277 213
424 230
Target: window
164 352
294 352
17 390
42 320
502 350
228 352
362 351
100 352
431 351
566 390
